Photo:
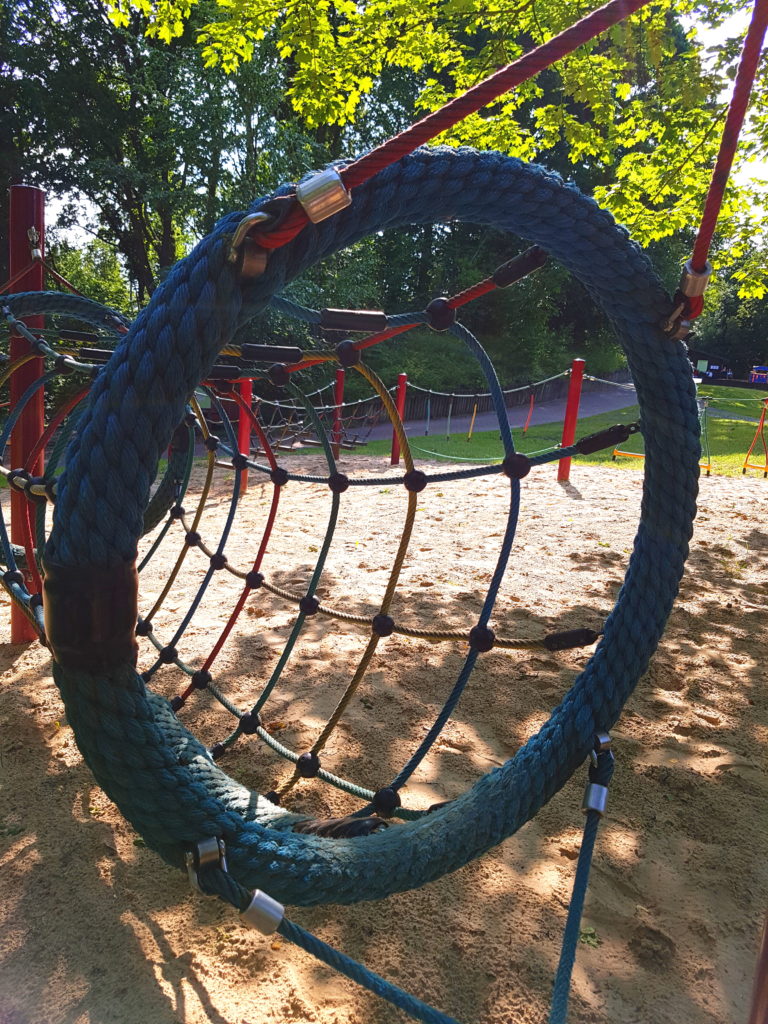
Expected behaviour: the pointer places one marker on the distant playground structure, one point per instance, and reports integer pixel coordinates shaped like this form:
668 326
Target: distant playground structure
135 415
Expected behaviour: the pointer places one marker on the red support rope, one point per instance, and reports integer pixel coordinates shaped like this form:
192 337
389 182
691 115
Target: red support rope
742 90
525 67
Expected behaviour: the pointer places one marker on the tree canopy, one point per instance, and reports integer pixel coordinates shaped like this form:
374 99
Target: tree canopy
634 115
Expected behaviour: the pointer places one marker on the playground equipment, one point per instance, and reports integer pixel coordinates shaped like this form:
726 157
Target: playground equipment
241 845
759 436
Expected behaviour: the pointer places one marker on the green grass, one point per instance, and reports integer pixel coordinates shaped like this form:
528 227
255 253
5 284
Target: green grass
728 443
739 401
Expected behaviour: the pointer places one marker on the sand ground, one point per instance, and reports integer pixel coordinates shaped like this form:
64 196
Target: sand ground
97 930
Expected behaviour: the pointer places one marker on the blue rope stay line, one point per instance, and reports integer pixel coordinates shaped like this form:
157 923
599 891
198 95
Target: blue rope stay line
169 350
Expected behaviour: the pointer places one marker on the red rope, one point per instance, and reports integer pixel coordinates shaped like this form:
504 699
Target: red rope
527 66
258 430
745 77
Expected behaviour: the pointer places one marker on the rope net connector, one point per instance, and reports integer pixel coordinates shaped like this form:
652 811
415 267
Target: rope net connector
254 258
693 282
323 195
209 852
35 252
263 913
600 769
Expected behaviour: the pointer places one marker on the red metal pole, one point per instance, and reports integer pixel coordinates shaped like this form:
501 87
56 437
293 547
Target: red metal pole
402 383
759 1012
26 212
571 415
244 429
338 401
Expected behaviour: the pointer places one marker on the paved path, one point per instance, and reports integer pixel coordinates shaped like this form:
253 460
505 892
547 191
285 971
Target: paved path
592 403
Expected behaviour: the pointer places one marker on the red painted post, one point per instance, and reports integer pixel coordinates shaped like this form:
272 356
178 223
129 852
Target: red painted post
26 212
402 383
338 401
571 415
244 429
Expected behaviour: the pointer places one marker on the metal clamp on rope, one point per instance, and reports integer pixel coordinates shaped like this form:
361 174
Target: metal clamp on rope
601 768
263 913
323 195
692 282
254 257
35 252
207 853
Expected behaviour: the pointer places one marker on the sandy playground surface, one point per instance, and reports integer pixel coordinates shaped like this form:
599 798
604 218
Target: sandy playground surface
96 929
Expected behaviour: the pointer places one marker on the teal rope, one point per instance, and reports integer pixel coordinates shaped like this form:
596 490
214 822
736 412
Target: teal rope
601 774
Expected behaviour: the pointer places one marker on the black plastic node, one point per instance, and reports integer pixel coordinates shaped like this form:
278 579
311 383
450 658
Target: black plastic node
13 576
36 601
193 538
240 461
308 765
516 466
273 797
279 476
63 364
347 354
190 419
143 627
481 638
218 561
177 703
211 443
250 722
386 801
383 625
168 655
309 605
50 490
253 580
279 375
415 480
177 511
217 751
201 678
338 482
440 316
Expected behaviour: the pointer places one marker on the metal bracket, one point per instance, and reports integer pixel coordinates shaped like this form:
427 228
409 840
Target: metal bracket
206 853
35 252
254 257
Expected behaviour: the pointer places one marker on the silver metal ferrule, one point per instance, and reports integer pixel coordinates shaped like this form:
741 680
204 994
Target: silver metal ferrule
208 851
263 913
323 194
595 798
693 283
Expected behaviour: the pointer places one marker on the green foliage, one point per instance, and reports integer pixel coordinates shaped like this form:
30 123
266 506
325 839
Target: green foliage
637 107
95 270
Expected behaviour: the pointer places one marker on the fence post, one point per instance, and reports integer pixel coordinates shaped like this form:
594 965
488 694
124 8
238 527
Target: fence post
402 383
338 401
26 213
571 415
244 429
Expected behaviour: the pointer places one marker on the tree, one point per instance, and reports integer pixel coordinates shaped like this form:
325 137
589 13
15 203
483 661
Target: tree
637 111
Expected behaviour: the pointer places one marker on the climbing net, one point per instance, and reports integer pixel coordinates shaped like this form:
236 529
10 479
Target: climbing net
137 403
167 783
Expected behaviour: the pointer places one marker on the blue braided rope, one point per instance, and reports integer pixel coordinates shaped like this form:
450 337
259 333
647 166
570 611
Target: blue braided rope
140 397
357 972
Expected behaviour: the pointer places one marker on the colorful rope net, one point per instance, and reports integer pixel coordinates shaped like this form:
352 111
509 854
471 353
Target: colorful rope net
167 783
